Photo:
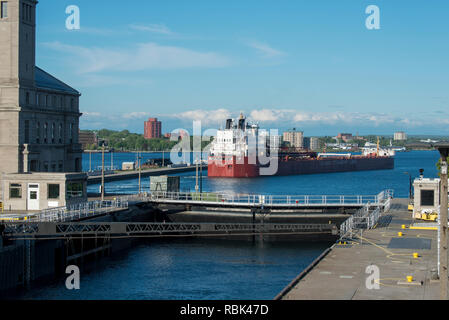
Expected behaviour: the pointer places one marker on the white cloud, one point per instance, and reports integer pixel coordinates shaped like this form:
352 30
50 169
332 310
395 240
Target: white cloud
136 115
143 56
265 50
153 28
217 116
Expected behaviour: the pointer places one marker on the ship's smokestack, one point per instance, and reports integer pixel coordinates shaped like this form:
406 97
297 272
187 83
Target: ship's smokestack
242 124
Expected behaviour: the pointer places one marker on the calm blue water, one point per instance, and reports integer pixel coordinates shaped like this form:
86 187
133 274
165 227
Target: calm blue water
226 269
190 269
344 183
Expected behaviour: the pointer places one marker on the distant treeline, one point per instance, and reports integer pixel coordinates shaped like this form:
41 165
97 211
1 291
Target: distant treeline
127 141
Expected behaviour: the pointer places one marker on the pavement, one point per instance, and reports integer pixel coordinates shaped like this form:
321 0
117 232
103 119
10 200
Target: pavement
375 265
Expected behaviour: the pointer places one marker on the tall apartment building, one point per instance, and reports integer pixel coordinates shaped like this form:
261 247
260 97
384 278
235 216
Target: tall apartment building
295 138
39 117
315 143
152 129
400 136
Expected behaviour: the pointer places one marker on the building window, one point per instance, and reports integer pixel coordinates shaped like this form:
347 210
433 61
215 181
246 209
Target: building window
27 132
27 98
45 132
34 166
53 191
74 190
47 101
37 99
53 167
38 132
427 197
60 133
72 103
60 166
15 191
46 166
71 133
53 132
4 9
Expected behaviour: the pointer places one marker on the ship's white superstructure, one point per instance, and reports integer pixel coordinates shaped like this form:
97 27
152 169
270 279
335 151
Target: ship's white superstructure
239 138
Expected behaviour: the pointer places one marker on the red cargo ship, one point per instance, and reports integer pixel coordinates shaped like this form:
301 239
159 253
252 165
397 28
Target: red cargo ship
242 151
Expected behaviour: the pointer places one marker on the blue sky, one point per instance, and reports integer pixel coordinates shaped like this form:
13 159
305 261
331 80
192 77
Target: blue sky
311 65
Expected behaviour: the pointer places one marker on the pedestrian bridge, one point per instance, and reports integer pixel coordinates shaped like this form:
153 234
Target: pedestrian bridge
267 201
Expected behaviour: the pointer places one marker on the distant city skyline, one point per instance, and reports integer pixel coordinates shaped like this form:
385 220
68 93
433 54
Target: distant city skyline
309 65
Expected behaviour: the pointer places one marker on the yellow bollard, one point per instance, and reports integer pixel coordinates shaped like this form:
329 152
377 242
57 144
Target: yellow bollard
409 279
400 234
415 255
403 226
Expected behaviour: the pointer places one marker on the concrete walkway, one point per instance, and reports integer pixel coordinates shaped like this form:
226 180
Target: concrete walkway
342 274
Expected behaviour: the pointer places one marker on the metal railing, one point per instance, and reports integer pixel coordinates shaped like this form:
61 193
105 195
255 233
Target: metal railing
79 211
363 219
268 200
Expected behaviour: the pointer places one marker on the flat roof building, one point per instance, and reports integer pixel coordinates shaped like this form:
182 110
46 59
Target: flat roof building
152 129
400 136
295 138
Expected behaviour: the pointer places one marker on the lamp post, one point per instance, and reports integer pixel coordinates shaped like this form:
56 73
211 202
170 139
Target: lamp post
140 171
443 148
103 143
409 185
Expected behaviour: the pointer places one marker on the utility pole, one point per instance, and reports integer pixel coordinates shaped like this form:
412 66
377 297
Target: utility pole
443 148
201 168
196 175
112 160
140 171
103 143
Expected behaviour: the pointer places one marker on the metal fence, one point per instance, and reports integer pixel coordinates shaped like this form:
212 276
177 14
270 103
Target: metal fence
363 219
79 211
269 200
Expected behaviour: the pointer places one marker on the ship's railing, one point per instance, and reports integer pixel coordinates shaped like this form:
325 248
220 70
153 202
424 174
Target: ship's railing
269 200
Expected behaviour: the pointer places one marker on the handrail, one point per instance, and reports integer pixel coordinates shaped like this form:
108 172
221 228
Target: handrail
269 200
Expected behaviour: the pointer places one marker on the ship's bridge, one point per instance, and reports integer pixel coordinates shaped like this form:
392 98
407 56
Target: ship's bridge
238 139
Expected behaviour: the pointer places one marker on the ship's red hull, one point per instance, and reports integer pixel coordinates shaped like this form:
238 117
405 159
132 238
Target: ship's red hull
232 167
243 168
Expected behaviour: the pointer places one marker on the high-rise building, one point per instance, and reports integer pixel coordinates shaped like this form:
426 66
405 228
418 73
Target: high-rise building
152 129
295 138
400 136
39 120
315 143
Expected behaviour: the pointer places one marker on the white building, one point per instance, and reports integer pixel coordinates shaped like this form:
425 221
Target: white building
400 136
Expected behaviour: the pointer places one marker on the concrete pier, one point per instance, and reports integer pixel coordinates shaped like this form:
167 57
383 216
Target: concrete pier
126 175
341 273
